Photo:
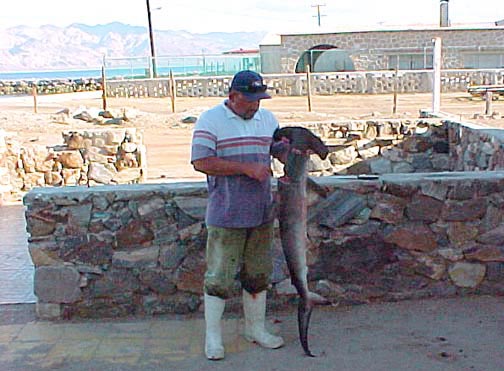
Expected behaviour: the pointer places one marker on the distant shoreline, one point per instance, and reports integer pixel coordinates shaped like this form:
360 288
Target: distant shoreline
96 73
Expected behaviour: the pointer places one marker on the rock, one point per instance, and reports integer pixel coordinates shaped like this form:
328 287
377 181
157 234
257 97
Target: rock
79 215
115 121
493 237
402 167
361 167
134 234
138 258
368 152
424 208
337 209
114 137
34 180
64 111
485 253
315 163
343 156
94 154
463 211
127 175
40 226
71 176
435 190
460 233
53 178
190 231
115 282
48 311
380 166
433 268
467 274
57 284
189 120
495 272
451 254
159 281
84 116
129 147
106 114
101 173
191 272
389 209
71 159
413 237
441 162
155 205
193 206
41 257
165 234
171 255
74 140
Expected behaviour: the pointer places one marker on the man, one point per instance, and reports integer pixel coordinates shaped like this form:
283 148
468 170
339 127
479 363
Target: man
232 144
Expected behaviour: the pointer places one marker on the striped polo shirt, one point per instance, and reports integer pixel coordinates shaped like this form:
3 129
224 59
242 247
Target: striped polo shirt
235 201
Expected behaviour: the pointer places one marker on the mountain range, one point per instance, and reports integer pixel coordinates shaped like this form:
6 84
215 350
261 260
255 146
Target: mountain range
80 46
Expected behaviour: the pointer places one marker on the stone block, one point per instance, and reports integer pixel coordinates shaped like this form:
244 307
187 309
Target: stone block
467 274
71 159
412 237
101 173
127 175
48 311
139 258
57 284
195 207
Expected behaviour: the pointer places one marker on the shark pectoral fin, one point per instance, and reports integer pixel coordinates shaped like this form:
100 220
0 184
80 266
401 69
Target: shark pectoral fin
317 188
316 299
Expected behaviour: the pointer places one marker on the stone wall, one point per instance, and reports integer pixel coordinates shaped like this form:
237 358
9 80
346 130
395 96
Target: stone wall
369 50
104 156
124 250
55 86
475 148
327 83
379 146
5 181
139 249
88 157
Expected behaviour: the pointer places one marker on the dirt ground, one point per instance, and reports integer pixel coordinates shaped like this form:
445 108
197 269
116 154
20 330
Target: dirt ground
168 139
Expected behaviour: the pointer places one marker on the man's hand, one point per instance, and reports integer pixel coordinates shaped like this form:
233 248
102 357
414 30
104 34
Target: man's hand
257 171
218 166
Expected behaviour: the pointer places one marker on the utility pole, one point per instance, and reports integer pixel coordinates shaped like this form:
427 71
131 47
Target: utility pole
153 72
318 12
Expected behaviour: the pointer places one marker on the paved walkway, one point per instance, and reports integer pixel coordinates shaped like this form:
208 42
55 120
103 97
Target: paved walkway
16 267
463 334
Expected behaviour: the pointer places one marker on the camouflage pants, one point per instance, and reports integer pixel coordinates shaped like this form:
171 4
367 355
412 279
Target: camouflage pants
243 250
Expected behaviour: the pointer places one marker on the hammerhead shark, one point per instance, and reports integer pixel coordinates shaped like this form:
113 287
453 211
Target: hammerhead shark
292 217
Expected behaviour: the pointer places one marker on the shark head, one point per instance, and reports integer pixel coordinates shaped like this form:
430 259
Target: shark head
302 140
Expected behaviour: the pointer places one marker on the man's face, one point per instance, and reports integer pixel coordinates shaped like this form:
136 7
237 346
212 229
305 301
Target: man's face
241 106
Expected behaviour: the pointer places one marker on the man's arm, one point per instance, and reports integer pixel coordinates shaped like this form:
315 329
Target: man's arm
218 166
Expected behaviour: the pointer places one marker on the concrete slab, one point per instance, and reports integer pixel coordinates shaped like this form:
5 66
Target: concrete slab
436 335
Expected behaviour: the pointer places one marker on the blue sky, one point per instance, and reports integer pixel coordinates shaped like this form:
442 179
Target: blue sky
281 16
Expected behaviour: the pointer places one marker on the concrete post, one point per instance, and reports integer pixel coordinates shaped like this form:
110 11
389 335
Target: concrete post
436 82
488 103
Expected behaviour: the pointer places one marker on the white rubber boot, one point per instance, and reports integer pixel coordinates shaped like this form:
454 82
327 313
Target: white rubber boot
214 307
254 308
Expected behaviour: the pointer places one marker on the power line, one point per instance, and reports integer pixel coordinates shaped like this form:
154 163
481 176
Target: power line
318 12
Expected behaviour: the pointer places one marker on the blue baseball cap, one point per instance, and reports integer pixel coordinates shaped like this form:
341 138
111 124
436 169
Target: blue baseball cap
250 84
